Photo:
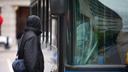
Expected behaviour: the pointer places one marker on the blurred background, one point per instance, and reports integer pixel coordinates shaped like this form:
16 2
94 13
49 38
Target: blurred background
13 14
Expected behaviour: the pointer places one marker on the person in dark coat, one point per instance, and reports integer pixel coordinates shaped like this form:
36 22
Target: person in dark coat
32 55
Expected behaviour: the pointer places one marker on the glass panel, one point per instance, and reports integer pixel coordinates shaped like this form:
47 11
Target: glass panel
35 9
86 41
101 31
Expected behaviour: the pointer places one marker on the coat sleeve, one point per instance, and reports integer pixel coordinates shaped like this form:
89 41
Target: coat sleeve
31 54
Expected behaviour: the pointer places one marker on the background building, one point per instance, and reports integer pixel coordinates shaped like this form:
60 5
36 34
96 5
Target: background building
14 13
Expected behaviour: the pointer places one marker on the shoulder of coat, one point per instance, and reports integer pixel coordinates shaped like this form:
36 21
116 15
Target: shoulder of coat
30 34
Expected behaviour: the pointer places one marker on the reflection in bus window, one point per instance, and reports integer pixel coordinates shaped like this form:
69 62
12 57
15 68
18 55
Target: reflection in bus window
97 34
122 41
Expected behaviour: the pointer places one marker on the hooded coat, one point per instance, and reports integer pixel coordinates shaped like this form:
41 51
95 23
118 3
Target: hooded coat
32 53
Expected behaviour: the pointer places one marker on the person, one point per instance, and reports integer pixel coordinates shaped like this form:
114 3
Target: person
32 53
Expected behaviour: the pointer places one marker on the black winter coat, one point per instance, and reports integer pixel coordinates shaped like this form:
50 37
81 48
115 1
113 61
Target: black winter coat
32 53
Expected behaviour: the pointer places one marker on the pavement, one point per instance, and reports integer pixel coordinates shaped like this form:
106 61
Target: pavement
8 56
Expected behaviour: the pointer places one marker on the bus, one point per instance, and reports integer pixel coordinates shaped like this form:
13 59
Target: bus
91 35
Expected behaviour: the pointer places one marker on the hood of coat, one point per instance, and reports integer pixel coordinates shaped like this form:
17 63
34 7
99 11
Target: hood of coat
33 24
33 21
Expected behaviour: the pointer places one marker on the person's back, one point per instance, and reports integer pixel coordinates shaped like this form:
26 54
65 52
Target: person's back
32 55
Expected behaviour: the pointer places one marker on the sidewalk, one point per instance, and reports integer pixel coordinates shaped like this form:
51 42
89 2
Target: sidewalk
8 56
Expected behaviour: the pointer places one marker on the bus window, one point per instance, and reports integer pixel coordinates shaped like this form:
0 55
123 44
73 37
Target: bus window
99 30
35 7
85 49
34 10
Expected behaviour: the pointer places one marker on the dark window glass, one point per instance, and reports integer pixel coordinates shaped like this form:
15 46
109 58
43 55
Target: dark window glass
101 31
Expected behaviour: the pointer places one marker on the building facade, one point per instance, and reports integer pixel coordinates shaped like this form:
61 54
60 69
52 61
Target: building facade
9 10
